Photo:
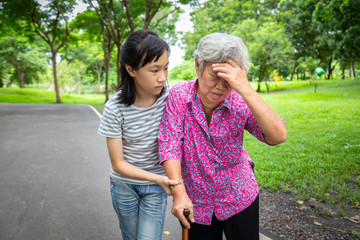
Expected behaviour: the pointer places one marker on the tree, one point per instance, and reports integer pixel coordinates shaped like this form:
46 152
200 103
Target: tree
269 50
253 21
92 27
24 58
186 71
84 47
70 75
225 16
50 22
297 19
120 18
346 17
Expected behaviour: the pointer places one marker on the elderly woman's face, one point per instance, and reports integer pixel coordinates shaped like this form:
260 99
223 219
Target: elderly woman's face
212 89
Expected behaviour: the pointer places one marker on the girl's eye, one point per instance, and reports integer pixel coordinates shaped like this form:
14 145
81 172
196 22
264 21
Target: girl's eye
154 71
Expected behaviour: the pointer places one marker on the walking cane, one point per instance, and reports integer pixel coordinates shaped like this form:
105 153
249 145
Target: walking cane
185 231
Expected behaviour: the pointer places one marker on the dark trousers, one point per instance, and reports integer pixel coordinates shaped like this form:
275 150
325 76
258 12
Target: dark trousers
242 226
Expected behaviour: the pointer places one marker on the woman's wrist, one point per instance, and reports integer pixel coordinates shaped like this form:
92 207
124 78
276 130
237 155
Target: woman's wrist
174 185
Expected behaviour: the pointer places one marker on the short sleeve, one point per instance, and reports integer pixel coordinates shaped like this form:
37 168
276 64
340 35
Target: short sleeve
171 133
110 123
253 128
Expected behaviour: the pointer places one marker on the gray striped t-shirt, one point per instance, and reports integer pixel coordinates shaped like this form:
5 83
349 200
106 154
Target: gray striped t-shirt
138 128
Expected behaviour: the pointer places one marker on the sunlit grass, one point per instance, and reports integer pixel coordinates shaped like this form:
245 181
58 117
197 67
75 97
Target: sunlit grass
30 95
321 157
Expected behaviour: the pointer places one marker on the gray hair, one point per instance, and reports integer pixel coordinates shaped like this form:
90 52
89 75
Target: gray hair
217 47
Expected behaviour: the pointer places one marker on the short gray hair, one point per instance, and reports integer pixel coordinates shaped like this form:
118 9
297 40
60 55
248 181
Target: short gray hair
217 47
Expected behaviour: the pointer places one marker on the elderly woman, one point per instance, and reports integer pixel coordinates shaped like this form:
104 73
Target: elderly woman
201 142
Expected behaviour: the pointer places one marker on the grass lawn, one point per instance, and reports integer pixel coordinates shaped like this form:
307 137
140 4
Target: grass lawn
320 159
32 95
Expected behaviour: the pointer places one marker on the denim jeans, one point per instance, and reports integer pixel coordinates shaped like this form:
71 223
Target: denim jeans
140 208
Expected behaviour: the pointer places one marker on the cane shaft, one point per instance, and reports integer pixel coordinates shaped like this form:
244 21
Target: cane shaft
185 234
185 231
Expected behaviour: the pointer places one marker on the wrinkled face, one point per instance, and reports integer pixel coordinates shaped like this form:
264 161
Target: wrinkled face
151 78
212 89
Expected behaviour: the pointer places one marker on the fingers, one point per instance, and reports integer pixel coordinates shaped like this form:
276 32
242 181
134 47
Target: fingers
165 183
179 213
180 203
227 67
167 190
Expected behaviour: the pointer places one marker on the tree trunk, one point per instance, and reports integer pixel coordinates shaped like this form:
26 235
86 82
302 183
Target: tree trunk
57 92
343 73
79 86
293 71
99 77
107 66
21 76
10 82
267 85
297 74
329 69
118 65
258 86
352 69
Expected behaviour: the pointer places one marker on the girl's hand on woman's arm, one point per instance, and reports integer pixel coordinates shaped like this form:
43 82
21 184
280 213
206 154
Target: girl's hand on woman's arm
165 183
119 165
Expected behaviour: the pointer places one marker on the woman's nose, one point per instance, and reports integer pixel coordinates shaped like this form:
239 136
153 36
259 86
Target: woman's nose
222 84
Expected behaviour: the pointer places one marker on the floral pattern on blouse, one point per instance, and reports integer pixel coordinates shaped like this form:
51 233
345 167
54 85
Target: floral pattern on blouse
216 169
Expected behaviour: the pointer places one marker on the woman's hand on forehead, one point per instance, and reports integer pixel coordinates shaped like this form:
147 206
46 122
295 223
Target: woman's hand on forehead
235 75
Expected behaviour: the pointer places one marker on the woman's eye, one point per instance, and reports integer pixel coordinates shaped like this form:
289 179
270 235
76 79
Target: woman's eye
215 78
154 71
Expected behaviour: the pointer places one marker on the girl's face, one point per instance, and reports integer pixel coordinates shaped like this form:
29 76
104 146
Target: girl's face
151 78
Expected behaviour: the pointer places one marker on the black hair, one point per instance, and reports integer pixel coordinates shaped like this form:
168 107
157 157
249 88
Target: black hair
139 49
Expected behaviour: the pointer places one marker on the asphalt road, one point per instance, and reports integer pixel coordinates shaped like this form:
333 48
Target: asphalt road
54 181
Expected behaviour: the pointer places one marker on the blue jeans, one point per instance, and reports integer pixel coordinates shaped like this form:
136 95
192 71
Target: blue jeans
140 208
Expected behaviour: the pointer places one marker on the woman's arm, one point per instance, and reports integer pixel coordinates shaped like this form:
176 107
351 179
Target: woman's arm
119 165
267 119
181 200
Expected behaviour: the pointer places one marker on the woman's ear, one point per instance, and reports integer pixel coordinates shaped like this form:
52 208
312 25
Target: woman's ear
197 67
130 70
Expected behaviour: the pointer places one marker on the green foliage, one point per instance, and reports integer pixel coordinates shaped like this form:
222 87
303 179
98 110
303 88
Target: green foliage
186 71
269 50
342 20
278 33
356 234
253 21
21 59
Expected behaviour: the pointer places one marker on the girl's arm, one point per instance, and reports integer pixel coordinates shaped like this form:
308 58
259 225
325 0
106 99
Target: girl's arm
119 165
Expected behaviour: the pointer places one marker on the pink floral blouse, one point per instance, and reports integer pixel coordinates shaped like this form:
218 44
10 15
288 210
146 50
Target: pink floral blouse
216 169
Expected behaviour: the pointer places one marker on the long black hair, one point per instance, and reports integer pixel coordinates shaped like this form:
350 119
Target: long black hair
139 49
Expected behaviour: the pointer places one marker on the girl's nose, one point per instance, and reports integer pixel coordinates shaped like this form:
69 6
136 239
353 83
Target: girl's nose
162 76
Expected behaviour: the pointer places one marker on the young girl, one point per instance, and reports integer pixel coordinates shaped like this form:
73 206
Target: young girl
130 123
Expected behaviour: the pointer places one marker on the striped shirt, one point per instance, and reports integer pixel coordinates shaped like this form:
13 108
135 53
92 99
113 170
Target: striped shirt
138 128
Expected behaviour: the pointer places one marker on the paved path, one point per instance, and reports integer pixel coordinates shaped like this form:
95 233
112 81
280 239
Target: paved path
54 176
